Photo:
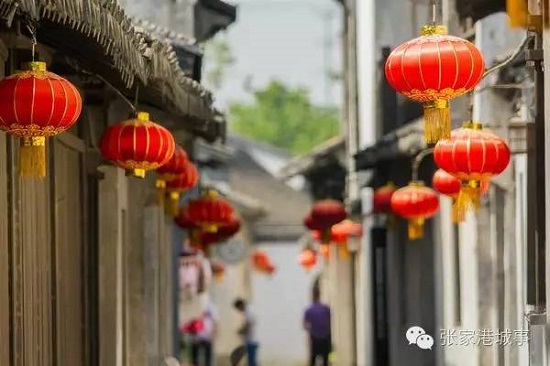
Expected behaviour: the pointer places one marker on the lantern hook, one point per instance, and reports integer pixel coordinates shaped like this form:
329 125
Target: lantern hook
433 4
417 160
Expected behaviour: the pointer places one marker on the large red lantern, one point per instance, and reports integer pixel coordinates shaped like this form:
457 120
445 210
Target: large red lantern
137 145
307 258
181 184
415 203
210 211
37 104
432 69
474 156
173 168
381 200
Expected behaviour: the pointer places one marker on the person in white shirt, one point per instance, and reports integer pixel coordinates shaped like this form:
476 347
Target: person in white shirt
248 331
202 342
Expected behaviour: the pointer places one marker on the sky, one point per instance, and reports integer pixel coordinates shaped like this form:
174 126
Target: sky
293 41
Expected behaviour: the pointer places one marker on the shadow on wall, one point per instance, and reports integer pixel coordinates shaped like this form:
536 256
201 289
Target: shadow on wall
279 302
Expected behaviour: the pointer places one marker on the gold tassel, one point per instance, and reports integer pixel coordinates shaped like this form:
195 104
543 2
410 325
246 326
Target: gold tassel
173 204
468 198
161 191
517 13
437 121
416 228
32 157
343 251
209 228
458 214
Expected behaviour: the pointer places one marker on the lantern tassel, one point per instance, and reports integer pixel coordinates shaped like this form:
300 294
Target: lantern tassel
161 191
343 251
32 157
458 214
469 197
173 203
416 228
437 121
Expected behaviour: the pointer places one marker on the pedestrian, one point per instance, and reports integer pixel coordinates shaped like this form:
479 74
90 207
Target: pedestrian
202 344
248 331
317 324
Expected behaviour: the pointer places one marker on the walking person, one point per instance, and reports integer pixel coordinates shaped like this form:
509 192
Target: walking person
203 340
248 331
317 324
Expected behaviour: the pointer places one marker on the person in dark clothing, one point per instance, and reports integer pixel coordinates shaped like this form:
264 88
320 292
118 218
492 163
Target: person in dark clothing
317 324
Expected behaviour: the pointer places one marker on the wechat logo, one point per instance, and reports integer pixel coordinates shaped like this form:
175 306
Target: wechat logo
417 335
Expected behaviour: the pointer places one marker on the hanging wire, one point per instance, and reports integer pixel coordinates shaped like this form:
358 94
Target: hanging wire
434 11
34 43
118 92
417 160
136 97
512 57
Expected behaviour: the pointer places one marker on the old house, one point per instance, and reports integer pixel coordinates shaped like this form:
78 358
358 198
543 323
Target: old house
76 288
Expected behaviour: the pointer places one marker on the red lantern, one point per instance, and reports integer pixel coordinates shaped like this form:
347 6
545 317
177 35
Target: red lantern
307 259
327 213
183 220
432 69
381 200
346 234
416 203
261 262
448 185
210 211
225 231
321 232
37 104
181 184
137 145
173 168
472 155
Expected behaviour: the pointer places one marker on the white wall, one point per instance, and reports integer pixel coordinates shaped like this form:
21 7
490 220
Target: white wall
279 303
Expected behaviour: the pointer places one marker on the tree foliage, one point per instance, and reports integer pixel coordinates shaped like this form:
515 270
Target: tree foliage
218 58
284 117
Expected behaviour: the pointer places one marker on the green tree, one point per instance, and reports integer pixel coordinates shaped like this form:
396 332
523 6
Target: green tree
284 117
218 58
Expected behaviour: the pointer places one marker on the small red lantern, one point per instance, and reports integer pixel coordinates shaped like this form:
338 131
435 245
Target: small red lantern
432 69
472 155
261 262
37 104
347 234
328 212
381 200
173 168
416 203
210 211
225 231
321 232
181 184
307 258
137 145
